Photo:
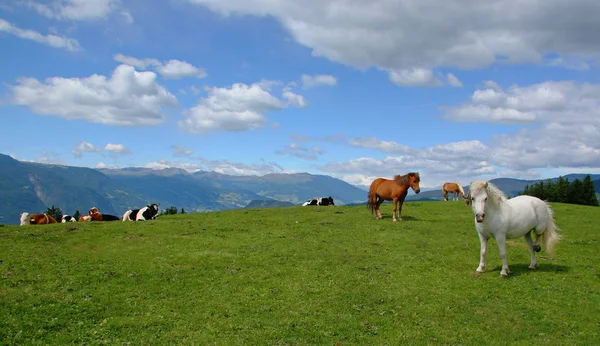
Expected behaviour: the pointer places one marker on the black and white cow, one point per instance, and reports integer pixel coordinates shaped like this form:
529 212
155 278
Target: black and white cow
319 201
149 212
68 218
108 217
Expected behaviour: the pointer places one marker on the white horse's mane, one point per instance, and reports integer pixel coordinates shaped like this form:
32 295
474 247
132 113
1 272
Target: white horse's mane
495 195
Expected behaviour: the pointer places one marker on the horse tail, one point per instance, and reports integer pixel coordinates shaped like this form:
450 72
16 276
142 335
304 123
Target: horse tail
462 191
372 196
550 236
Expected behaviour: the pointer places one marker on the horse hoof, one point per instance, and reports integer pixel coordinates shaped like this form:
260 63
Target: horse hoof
504 275
537 248
533 267
395 220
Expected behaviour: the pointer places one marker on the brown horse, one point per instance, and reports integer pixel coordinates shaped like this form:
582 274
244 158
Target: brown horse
396 190
36 219
455 189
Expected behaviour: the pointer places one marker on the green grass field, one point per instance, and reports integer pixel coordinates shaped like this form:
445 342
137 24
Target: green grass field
297 276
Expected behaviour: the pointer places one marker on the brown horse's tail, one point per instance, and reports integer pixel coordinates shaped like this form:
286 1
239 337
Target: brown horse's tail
372 196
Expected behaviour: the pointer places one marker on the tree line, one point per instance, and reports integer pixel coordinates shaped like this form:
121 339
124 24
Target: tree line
563 191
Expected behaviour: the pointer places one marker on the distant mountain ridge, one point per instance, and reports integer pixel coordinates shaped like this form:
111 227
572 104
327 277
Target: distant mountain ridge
33 187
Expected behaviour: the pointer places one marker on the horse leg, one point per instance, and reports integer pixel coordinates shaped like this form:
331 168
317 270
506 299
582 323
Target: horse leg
483 240
395 208
400 210
529 241
378 211
501 240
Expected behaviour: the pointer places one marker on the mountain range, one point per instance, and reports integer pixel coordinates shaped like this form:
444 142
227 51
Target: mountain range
33 187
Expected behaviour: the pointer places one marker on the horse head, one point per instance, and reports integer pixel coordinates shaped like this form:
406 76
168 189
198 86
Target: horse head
413 181
479 197
467 198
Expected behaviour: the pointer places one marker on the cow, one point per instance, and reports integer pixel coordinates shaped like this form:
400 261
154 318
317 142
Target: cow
324 201
68 218
36 219
149 212
93 215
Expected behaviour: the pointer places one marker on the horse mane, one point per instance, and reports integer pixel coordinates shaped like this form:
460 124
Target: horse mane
495 195
403 179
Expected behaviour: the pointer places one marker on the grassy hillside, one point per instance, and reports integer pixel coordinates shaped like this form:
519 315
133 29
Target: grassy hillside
297 276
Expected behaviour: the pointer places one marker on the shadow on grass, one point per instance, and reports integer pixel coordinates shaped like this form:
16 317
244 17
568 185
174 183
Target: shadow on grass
520 269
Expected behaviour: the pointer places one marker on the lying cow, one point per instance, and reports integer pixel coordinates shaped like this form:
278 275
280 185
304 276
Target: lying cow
95 215
319 201
68 218
149 212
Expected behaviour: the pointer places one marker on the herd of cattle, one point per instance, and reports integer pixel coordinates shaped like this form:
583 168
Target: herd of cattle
149 212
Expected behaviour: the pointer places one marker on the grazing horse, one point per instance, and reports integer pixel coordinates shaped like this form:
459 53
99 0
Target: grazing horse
502 218
454 188
384 190
36 219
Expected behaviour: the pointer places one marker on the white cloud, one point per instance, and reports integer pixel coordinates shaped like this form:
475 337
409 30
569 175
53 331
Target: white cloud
116 149
162 164
453 81
393 35
294 99
76 9
172 69
316 80
237 168
566 116
415 77
238 108
384 146
301 152
180 151
175 69
135 62
82 147
49 40
563 102
127 98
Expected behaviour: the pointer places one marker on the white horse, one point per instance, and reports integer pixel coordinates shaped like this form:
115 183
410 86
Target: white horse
502 218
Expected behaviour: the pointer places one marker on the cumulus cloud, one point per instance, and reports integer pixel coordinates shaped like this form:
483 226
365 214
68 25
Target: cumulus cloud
563 130
393 35
561 102
49 40
76 9
82 147
415 77
116 149
238 168
238 108
316 80
126 98
301 152
162 164
171 69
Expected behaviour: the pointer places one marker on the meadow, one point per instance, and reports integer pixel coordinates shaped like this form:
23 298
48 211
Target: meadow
297 276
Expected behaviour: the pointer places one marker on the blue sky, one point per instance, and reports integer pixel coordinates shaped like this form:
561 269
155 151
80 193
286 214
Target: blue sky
355 90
